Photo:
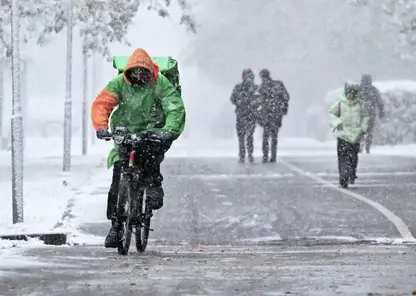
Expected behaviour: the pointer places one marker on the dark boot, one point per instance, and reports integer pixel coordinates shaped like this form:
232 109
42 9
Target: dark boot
343 183
241 148
266 135
155 196
111 239
251 158
274 147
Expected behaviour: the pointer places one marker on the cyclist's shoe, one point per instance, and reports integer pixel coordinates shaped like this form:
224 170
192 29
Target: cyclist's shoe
111 239
155 196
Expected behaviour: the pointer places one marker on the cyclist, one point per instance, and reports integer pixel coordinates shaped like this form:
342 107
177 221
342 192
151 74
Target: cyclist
146 102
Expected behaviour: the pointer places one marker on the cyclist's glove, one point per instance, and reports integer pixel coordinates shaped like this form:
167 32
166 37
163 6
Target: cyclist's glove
161 136
103 133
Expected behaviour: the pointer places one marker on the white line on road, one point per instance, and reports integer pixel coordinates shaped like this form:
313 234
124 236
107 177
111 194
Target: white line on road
230 176
397 221
382 185
380 174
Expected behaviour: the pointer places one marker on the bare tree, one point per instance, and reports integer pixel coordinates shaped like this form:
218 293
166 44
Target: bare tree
102 23
403 16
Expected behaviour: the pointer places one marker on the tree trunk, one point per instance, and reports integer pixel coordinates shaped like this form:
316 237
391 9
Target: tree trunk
24 98
68 96
85 103
2 62
17 127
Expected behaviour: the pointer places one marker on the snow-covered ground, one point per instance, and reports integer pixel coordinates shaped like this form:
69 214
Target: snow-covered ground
46 188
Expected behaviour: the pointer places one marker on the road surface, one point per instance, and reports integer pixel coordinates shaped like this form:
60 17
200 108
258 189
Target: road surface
262 229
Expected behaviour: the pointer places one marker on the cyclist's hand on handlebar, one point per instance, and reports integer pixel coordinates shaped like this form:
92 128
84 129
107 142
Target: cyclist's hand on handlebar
103 133
162 136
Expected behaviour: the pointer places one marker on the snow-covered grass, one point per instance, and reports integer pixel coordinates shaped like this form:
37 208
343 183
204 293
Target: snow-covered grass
398 150
46 189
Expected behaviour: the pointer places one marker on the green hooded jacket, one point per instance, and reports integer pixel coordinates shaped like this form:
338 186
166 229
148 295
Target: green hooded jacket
349 119
153 107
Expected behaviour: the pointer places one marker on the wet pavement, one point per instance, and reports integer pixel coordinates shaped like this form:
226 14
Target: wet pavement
328 270
261 229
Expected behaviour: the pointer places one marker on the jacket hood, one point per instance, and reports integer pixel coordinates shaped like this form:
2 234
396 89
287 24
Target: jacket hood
366 79
140 58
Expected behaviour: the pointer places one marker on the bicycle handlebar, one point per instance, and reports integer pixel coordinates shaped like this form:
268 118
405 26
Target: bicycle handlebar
132 139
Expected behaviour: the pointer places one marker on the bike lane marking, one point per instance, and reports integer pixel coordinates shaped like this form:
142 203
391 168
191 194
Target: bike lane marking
396 220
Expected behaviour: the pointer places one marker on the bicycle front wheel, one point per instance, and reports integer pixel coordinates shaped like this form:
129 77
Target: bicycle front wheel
143 228
125 228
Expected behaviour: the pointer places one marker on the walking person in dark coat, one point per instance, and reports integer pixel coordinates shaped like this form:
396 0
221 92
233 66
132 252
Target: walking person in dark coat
371 100
274 105
243 99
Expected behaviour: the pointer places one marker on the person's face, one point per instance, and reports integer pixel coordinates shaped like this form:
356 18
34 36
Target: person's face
351 95
250 78
141 75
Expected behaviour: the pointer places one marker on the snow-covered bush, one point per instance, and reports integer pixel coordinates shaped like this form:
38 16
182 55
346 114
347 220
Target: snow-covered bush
398 126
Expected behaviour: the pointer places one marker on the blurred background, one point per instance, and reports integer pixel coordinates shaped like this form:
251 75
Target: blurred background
313 46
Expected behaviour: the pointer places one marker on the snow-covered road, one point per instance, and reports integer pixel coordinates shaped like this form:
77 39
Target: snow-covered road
265 229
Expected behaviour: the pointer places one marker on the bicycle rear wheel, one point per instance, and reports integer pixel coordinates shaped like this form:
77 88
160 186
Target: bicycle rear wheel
143 228
125 225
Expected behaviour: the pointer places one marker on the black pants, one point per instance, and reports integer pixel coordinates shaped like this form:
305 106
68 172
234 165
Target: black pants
347 160
245 132
270 132
149 158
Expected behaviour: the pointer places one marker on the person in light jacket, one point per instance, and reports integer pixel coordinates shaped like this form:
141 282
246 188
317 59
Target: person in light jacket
349 121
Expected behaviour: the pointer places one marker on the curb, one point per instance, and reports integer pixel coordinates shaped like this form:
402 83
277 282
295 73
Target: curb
55 239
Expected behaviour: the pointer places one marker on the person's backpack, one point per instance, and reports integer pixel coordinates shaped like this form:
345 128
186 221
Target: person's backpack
168 66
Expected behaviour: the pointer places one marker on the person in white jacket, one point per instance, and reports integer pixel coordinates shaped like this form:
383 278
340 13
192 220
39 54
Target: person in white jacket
349 120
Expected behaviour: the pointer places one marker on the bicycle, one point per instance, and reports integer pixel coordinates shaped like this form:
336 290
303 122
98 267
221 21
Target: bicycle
133 212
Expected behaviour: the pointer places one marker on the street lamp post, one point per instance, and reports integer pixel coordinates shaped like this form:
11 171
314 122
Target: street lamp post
68 96
17 120
85 102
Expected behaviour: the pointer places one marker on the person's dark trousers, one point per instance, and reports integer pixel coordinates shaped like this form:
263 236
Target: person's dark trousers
150 158
245 132
370 133
347 161
113 192
270 132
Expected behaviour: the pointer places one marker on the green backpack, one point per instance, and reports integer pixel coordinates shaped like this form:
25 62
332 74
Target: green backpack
168 67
